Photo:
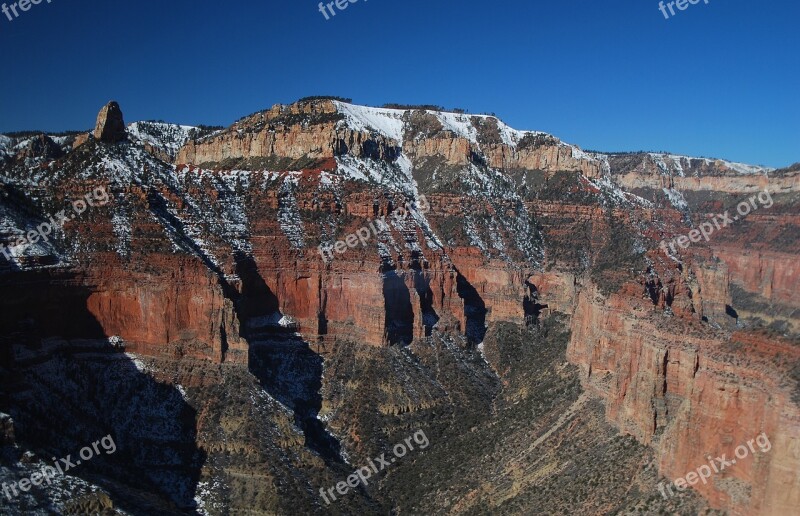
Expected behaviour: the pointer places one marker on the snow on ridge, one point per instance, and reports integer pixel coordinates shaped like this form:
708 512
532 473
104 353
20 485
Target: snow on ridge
578 153
22 143
678 163
125 164
512 137
175 136
390 123
746 169
387 122
5 144
459 124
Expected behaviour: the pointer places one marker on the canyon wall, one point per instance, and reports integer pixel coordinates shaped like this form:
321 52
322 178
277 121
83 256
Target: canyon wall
691 395
693 354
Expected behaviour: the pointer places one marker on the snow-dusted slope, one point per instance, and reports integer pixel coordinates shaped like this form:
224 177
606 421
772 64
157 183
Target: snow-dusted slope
481 182
677 164
5 145
508 229
201 211
391 123
168 138
387 122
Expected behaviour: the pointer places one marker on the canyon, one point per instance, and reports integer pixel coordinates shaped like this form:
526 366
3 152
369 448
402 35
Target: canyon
557 357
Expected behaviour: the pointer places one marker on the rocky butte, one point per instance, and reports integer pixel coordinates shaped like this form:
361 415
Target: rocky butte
532 297
110 127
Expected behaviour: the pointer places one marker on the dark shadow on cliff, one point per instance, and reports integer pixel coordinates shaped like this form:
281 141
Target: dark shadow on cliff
66 388
285 365
399 322
422 285
474 310
291 373
531 306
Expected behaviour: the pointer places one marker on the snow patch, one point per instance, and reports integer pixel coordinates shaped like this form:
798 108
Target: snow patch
5 145
160 135
289 219
676 199
387 122
677 163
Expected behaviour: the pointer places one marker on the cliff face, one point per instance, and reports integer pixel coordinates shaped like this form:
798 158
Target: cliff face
207 248
305 130
326 129
686 174
693 395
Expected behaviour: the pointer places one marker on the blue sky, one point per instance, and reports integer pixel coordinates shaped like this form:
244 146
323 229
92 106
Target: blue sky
715 80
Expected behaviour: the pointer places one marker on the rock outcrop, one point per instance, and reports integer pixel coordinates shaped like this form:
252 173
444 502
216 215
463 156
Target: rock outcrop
110 126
